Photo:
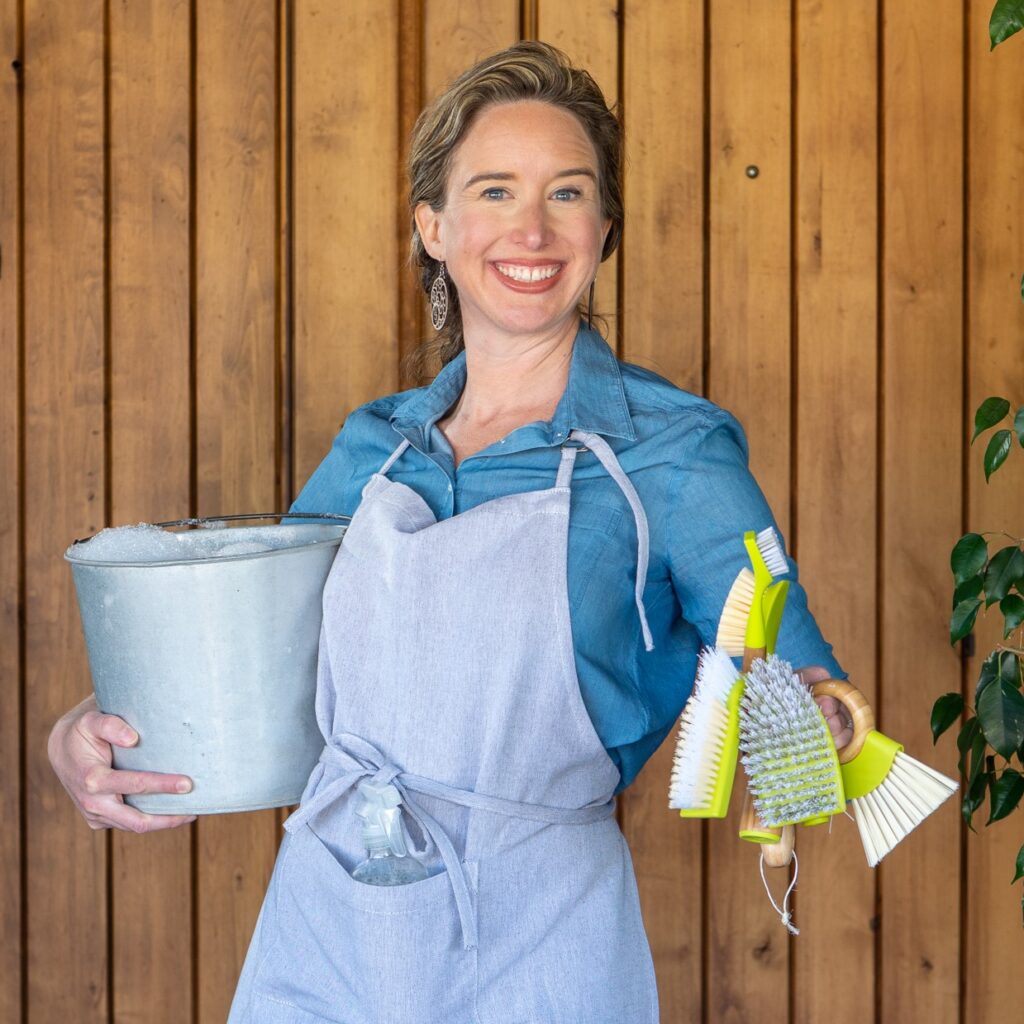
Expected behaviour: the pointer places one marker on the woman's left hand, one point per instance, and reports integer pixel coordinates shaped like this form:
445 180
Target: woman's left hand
836 715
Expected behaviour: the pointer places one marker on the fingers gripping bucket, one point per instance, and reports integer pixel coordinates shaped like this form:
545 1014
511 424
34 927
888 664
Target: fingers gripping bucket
212 660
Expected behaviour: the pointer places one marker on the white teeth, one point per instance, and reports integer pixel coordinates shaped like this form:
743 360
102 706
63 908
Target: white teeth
518 273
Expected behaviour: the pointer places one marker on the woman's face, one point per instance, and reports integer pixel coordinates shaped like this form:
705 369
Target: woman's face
521 231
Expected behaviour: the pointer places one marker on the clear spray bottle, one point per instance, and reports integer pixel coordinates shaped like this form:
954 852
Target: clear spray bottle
388 862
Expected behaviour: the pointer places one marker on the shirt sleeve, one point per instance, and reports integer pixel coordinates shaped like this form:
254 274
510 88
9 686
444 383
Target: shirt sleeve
715 500
328 489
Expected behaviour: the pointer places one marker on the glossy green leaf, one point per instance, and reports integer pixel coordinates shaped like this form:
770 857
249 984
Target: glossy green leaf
989 413
945 712
998 665
962 621
997 450
971 587
1005 794
1012 607
969 733
1004 568
1001 711
1018 420
1007 19
968 557
974 797
1020 866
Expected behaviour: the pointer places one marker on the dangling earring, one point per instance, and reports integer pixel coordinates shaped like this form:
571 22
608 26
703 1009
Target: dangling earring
590 308
439 300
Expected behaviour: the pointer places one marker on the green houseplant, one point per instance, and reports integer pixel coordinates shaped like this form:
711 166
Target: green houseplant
992 736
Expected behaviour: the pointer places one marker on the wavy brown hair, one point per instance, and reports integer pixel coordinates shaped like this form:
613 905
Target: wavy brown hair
527 71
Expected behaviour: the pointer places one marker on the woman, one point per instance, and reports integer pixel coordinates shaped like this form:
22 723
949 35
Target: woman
542 539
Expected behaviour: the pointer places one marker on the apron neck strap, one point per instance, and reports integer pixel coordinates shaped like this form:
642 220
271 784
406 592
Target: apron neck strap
393 457
606 457
564 478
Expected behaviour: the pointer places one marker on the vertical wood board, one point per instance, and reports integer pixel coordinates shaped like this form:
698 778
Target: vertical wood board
11 711
835 537
662 273
921 431
237 401
749 374
994 937
149 368
64 483
346 278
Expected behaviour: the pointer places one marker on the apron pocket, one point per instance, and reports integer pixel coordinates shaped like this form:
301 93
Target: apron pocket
352 953
561 936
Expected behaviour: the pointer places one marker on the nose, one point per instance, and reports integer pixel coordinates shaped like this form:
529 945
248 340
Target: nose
533 229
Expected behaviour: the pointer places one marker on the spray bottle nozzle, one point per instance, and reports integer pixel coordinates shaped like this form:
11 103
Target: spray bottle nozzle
380 809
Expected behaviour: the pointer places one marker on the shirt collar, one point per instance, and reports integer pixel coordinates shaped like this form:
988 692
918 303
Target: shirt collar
594 399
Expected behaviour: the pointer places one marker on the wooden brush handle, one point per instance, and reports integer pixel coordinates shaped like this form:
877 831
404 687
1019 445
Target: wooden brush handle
860 711
777 854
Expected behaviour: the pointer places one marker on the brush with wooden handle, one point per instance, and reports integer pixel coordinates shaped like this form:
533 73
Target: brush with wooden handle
891 792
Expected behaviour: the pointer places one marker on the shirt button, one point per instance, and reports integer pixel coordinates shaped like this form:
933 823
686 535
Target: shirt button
449 487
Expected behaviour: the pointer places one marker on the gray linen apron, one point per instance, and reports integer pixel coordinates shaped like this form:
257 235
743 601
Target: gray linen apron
447 667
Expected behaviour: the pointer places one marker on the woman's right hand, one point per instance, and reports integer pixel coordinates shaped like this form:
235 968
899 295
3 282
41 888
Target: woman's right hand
80 752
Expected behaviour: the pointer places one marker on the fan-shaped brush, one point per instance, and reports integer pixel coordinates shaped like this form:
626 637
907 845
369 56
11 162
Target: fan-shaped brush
890 792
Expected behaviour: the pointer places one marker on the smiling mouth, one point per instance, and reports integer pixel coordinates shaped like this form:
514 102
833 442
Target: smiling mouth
527 275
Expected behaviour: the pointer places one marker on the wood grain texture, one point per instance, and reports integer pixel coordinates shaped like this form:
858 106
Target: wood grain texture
346 273
994 938
11 682
835 537
411 299
237 399
150 441
921 497
661 263
662 252
588 31
457 33
749 374
64 489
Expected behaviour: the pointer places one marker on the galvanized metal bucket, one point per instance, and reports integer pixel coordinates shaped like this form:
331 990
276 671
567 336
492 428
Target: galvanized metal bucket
213 662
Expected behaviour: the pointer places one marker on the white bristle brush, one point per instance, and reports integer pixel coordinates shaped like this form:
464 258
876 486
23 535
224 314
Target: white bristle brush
890 792
707 746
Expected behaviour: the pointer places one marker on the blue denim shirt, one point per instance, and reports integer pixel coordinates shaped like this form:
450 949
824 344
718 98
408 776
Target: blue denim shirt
687 459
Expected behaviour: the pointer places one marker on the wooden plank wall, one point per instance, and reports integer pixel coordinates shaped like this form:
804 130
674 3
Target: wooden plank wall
203 236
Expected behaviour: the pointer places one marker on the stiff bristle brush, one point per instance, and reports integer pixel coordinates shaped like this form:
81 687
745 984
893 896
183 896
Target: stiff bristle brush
707 746
792 767
706 750
890 792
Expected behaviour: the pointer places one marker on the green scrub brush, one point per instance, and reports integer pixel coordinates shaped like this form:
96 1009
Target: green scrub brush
791 762
706 750
707 747
891 793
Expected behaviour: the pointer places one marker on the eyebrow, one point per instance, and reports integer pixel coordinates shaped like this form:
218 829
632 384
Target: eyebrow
506 176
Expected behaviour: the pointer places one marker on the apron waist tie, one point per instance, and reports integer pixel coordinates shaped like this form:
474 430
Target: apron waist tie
363 760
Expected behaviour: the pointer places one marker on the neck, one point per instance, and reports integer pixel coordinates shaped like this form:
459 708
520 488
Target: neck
503 379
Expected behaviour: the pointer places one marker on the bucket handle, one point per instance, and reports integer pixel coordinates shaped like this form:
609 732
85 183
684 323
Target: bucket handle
205 520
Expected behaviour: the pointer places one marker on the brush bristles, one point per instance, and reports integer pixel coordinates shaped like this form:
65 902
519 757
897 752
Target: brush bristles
702 728
787 747
771 551
892 810
732 626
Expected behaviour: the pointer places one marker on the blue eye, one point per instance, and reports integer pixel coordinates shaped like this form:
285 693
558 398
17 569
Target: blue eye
571 193
489 193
